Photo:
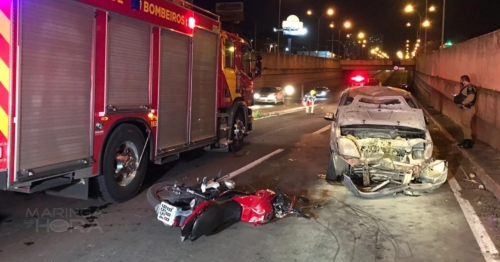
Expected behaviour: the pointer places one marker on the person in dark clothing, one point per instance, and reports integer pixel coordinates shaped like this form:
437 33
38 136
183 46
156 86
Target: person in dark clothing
467 106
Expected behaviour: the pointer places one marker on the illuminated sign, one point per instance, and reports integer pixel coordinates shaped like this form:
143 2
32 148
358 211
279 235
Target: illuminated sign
293 26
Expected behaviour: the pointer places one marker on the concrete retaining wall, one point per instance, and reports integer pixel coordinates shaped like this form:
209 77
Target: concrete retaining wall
297 70
437 77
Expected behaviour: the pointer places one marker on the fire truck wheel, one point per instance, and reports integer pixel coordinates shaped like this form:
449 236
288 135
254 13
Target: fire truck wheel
237 132
122 176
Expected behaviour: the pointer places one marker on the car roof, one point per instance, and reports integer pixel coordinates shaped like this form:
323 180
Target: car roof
378 91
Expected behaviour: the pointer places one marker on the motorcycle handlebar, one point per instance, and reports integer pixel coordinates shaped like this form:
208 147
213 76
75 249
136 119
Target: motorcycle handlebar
190 191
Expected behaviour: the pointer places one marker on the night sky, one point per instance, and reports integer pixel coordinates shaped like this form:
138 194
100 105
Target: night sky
465 19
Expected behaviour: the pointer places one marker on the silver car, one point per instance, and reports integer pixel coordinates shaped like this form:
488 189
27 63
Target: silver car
273 94
380 144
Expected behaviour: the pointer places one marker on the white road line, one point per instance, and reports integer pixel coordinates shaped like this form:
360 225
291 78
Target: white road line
322 130
249 166
483 239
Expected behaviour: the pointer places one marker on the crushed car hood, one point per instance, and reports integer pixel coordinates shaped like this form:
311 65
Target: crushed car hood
366 116
359 113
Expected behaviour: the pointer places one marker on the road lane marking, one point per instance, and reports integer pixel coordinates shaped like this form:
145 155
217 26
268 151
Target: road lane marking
322 130
483 239
251 165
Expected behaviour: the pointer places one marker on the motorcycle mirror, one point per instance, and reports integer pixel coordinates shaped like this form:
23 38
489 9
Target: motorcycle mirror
204 181
192 203
198 180
229 183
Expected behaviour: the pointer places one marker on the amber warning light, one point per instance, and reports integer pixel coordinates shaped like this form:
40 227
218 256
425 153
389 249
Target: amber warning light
358 78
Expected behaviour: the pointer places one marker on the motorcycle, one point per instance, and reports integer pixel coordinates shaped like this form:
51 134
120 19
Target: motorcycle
206 209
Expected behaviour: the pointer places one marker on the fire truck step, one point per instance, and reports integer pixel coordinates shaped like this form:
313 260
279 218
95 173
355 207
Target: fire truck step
225 142
225 128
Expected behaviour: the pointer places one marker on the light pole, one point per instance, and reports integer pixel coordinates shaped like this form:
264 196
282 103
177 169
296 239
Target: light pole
426 23
279 25
442 26
347 25
410 9
361 36
328 12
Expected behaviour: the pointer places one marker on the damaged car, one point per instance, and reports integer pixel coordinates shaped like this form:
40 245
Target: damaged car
380 144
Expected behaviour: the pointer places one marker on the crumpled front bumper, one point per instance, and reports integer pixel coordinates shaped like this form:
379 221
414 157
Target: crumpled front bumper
434 176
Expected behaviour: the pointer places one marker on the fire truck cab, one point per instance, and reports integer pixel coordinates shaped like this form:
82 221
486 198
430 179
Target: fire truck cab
92 91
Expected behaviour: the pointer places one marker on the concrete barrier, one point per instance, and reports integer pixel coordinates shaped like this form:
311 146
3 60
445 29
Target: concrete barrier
437 77
298 70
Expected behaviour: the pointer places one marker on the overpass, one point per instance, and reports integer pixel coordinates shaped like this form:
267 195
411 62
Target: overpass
435 77
369 65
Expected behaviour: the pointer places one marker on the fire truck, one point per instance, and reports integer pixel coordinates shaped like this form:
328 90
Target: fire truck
94 91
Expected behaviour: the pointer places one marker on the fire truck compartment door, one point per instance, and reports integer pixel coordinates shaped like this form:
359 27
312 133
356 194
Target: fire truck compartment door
174 93
128 62
203 109
54 114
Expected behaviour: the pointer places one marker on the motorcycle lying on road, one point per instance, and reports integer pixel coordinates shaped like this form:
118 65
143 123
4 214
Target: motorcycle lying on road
207 208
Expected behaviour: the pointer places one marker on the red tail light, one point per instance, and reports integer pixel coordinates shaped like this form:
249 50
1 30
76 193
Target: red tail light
358 78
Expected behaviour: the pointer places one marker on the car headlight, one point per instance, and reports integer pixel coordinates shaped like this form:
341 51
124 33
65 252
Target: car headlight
289 90
256 96
347 148
271 96
323 93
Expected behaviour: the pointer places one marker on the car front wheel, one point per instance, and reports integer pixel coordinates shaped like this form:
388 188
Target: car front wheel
331 174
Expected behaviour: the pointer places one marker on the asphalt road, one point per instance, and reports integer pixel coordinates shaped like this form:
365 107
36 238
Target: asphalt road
344 228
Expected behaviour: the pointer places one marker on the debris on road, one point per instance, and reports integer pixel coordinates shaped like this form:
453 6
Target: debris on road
472 175
481 187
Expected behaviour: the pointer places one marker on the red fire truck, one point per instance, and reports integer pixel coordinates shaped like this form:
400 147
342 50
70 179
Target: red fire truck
91 91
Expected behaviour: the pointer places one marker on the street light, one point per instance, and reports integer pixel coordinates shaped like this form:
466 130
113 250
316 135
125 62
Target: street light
408 24
426 23
361 35
432 8
329 12
347 25
411 9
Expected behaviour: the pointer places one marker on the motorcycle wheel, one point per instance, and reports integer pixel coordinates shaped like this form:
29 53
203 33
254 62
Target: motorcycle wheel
163 192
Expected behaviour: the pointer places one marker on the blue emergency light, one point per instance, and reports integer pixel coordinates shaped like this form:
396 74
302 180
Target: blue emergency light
136 4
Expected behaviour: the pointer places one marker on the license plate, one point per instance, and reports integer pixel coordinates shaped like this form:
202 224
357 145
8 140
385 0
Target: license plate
166 213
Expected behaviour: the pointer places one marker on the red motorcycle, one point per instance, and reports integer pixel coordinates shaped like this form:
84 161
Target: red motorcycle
205 210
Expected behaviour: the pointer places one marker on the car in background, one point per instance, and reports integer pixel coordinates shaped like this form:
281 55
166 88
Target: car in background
360 80
322 91
380 144
274 94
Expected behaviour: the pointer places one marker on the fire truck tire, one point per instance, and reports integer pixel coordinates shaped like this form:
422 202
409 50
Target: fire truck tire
239 121
120 179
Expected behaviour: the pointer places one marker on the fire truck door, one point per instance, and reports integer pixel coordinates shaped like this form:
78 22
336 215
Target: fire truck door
174 83
54 117
128 65
205 54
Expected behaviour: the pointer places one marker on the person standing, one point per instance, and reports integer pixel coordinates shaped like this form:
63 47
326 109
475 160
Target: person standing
308 101
467 100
